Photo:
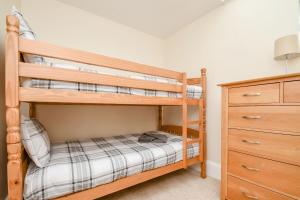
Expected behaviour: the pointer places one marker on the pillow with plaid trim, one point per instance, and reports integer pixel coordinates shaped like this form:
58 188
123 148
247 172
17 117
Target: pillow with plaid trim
35 141
26 32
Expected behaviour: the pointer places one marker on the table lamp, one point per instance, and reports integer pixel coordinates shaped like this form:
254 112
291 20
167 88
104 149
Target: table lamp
286 48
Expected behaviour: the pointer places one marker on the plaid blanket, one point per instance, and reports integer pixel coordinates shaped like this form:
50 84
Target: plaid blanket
192 90
78 165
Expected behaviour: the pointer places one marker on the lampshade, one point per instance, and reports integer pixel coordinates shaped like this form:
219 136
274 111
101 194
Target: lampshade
287 47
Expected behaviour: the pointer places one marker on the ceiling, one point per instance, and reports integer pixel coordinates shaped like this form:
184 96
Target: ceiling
160 18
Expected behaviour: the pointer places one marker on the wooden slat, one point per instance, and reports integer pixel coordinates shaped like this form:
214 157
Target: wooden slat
194 122
80 97
44 72
192 102
193 161
193 141
54 51
191 133
194 81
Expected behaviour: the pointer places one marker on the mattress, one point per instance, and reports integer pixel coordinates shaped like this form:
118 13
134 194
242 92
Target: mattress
192 90
82 164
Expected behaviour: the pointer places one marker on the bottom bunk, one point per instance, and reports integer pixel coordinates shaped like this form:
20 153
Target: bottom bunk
76 166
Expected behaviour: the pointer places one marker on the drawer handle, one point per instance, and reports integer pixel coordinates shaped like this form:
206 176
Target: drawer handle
251 142
250 196
252 94
250 168
252 117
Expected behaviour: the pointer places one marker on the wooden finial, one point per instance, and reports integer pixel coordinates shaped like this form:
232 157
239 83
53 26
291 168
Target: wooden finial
12 24
203 71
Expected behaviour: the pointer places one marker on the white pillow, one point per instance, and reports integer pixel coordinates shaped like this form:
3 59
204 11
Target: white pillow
35 141
27 33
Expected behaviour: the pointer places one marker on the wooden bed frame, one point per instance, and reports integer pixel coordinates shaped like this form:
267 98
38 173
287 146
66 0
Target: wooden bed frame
14 94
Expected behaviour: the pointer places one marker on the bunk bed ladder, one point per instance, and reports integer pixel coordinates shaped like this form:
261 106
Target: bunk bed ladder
201 123
190 136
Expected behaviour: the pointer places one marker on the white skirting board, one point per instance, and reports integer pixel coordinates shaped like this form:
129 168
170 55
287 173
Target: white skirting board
213 169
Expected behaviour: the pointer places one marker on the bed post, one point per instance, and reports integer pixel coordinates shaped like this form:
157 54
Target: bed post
202 113
160 117
31 110
13 138
184 120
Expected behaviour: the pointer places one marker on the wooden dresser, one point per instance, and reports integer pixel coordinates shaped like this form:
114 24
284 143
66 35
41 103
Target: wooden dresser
261 139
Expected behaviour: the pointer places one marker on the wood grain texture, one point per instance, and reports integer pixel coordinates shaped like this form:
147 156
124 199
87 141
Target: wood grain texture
160 117
267 93
202 123
283 118
32 110
184 121
81 97
285 148
13 138
192 102
177 130
224 143
292 92
55 51
193 141
194 81
281 177
262 80
43 72
261 126
243 190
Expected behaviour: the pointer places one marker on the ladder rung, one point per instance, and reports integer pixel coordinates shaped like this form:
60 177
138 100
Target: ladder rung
193 122
192 141
192 102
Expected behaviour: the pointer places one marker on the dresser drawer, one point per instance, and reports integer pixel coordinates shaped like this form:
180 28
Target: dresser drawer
242 190
279 176
268 93
278 118
275 146
292 92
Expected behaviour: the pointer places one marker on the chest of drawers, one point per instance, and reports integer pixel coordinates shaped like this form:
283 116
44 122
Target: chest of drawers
261 139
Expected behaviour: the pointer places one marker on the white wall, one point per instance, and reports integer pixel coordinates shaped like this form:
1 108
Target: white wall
235 42
68 26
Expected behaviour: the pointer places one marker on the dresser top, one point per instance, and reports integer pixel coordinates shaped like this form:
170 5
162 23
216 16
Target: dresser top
269 78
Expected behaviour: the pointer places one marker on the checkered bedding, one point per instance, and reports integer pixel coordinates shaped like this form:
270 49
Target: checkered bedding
78 165
192 90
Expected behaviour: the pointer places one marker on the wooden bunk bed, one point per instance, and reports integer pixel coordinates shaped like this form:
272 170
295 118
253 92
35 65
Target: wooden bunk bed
15 94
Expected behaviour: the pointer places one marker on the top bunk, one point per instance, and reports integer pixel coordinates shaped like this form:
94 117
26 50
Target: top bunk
42 82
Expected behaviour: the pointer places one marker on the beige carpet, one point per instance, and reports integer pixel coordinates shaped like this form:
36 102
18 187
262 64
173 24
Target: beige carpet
180 185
